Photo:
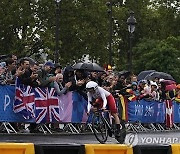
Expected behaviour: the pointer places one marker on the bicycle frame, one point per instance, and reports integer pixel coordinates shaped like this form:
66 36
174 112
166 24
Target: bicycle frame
101 126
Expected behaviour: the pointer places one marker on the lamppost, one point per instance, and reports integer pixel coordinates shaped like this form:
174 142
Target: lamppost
56 52
131 22
109 5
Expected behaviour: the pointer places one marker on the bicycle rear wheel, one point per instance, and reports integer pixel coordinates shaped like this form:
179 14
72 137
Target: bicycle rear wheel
99 128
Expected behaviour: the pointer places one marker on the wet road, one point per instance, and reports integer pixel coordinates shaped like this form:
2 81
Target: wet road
89 138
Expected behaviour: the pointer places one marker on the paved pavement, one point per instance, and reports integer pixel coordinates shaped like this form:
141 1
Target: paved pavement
89 138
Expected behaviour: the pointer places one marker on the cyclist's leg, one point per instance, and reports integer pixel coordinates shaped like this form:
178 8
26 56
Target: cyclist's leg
112 107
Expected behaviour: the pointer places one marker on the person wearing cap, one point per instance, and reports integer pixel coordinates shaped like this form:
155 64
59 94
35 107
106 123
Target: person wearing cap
44 75
135 88
58 69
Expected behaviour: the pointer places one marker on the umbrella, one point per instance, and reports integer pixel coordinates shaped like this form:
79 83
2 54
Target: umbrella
88 66
143 74
160 75
125 73
169 84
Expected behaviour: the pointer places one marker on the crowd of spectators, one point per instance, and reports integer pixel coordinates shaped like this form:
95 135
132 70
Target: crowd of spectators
63 79
67 79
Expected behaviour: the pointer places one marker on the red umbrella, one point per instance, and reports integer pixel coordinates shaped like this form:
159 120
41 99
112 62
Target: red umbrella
168 82
170 85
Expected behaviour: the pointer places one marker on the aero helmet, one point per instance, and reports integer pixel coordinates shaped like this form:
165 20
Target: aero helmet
91 85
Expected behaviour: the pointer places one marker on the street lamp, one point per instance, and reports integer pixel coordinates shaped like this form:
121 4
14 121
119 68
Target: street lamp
56 52
109 5
131 22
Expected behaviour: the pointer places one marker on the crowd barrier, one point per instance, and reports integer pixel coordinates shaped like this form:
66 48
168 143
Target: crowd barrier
175 148
30 148
43 106
108 149
17 148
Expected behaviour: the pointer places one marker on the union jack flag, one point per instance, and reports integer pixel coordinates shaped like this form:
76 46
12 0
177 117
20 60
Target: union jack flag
24 100
47 105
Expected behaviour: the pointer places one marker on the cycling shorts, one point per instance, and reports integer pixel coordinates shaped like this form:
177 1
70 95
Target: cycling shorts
111 103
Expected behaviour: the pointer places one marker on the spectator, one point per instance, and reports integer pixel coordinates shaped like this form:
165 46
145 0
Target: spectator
94 76
57 69
177 97
102 78
44 75
154 92
69 76
23 65
10 64
81 78
121 86
59 86
144 89
134 78
30 76
135 89
2 74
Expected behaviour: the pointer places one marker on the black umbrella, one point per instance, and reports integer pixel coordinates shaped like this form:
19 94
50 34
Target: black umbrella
143 74
88 66
160 75
124 73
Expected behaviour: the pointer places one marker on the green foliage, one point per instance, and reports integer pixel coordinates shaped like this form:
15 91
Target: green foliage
158 55
29 27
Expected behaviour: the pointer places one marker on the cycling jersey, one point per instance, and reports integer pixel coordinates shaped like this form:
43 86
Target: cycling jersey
104 97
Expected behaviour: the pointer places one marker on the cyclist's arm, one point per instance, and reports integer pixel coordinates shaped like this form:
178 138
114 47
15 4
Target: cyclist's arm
89 101
103 96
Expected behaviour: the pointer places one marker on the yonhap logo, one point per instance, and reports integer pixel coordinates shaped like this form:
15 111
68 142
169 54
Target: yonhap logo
131 139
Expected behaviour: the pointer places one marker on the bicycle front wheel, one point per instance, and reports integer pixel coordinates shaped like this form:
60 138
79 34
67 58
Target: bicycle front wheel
99 128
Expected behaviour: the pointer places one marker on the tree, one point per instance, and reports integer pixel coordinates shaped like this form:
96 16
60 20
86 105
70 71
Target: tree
161 55
17 27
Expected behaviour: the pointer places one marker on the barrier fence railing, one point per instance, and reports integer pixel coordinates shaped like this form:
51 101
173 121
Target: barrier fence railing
42 106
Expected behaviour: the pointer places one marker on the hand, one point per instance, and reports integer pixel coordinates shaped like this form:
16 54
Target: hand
39 83
94 109
34 76
20 71
103 109
68 84
52 78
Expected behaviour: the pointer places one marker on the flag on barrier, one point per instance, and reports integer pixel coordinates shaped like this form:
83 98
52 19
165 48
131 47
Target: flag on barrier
47 105
169 113
124 102
43 105
24 100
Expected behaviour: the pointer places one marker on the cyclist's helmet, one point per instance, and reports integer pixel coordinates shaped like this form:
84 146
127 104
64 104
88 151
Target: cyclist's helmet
91 85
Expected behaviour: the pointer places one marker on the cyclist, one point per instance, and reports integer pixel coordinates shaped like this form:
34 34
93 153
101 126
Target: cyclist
103 98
